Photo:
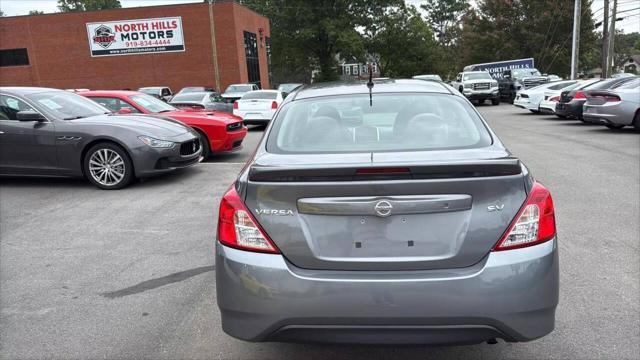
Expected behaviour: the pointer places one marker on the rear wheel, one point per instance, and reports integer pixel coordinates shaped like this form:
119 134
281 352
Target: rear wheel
108 166
495 102
614 126
561 116
636 121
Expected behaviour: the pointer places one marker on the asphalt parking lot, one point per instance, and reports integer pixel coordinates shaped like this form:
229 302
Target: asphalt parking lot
86 273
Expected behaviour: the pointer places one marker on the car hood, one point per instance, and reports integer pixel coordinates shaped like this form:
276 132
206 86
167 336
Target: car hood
158 127
208 115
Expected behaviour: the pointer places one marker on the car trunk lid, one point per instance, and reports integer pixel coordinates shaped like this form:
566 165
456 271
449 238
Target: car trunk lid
381 212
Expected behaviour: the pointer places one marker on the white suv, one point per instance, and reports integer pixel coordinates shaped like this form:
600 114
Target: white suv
477 85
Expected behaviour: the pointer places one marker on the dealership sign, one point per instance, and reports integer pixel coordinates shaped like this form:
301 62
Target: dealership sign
129 37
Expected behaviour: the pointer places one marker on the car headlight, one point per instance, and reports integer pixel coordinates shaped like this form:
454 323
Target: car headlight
468 86
156 143
494 85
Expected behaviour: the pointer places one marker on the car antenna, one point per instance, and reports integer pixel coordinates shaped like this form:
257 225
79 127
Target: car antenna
370 84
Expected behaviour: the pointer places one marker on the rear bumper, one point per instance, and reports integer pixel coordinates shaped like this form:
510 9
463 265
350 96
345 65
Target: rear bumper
606 115
510 295
547 107
525 103
571 109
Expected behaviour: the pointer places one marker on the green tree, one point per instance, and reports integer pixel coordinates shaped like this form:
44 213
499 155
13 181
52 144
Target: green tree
501 30
87 5
444 16
36 12
401 42
625 45
313 34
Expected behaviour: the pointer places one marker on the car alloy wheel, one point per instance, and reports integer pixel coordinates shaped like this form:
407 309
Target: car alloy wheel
106 167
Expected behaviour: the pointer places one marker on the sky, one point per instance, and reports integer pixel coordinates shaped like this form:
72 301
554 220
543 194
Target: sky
629 9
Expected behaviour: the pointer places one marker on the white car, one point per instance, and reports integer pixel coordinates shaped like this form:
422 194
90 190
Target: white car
258 107
551 97
530 99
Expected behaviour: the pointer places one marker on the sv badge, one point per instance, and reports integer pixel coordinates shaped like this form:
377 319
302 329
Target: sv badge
496 207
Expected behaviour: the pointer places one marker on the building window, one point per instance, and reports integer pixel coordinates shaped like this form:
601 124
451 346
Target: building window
14 57
251 54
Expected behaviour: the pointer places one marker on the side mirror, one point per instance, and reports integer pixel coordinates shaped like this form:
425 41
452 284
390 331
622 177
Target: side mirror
125 111
29 115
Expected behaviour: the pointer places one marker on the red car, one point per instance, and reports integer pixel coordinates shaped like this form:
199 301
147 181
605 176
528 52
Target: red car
223 132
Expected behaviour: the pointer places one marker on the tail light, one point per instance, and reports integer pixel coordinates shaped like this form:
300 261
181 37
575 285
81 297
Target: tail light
607 98
534 224
555 98
235 105
579 95
274 105
237 228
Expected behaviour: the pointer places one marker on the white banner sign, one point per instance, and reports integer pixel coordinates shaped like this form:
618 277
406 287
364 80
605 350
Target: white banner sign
130 37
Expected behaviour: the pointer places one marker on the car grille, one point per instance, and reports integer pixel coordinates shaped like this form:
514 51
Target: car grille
189 147
528 83
481 86
234 126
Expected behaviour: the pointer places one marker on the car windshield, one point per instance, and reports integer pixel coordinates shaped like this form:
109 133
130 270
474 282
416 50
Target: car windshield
151 104
66 105
477 76
260 95
190 97
395 122
191 89
239 88
151 91
525 72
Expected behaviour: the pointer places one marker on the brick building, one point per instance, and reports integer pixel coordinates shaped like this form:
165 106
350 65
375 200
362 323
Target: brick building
170 45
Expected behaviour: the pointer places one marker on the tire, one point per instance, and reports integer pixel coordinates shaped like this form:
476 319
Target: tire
534 111
495 102
561 116
460 89
614 126
512 97
108 166
204 142
636 121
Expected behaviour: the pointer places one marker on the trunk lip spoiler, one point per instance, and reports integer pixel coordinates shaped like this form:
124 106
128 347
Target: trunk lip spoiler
339 172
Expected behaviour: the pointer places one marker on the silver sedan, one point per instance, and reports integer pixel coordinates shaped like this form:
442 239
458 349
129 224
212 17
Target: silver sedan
615 108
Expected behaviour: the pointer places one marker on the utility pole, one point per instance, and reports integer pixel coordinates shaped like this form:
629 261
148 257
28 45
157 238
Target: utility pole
612 36
575 48
214 48
605 41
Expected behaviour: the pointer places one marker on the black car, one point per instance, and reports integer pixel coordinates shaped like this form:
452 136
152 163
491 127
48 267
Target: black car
55 132
571 101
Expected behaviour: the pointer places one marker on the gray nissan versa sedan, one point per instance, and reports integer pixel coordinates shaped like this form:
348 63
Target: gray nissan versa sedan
54 132
386 216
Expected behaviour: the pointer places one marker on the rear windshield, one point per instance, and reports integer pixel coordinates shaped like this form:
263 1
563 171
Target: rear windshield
395 122
261 95
188 97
